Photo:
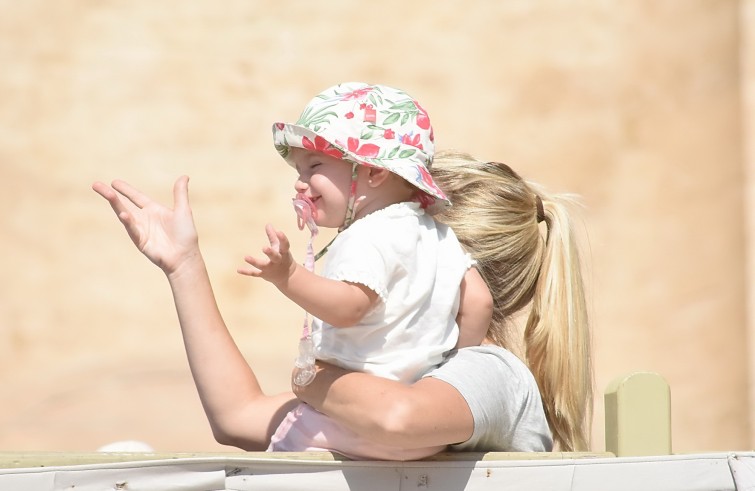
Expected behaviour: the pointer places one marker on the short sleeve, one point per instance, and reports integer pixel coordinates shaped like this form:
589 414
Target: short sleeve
503 398
357 259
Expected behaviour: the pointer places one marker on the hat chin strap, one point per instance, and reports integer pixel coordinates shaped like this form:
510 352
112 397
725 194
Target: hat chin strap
352 204
351 208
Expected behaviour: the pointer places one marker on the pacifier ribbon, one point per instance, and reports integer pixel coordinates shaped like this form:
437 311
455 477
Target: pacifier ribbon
304 365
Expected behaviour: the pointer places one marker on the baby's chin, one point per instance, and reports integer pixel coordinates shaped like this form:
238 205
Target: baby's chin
325 223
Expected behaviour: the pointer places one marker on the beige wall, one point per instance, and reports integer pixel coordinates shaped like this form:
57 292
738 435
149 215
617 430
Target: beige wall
637 106
747 56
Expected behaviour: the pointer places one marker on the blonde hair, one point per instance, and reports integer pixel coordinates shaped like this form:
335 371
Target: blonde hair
495 215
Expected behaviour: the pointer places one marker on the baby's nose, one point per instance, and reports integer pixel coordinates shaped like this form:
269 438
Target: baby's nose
300 186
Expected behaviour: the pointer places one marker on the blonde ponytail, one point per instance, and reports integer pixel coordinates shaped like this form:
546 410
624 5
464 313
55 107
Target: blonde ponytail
557 336
495 215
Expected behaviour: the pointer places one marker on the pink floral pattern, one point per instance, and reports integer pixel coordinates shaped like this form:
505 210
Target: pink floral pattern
360 93
411 140
423 120
371 125
321 145
362 149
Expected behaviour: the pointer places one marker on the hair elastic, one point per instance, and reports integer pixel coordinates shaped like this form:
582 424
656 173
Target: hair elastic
540 209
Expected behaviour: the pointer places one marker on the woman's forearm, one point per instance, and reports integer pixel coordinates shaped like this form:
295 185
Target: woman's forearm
239 413
429 412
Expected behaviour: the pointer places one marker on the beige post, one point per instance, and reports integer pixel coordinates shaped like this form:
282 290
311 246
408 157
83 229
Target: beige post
638 415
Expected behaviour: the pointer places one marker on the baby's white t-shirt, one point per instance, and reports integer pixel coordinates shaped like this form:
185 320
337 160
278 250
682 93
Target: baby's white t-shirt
415 265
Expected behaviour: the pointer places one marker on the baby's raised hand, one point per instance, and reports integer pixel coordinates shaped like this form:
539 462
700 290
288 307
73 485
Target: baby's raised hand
278 265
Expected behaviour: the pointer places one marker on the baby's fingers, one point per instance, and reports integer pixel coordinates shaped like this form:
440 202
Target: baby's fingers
272 236
279 245
284 245
273 253
254 268
278 239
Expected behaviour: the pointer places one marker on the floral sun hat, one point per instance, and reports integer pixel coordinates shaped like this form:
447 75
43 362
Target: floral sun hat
371 125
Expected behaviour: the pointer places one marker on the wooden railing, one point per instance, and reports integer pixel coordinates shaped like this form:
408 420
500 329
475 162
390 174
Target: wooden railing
638 456
637 423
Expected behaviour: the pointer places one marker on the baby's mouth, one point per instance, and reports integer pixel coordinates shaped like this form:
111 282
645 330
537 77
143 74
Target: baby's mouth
312 201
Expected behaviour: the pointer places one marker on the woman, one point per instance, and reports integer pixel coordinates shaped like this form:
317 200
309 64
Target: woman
481 399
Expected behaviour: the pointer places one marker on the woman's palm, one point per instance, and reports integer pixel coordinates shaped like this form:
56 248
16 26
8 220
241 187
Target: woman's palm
166 236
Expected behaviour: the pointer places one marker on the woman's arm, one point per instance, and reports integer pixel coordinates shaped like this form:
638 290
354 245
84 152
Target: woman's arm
239 413
427 413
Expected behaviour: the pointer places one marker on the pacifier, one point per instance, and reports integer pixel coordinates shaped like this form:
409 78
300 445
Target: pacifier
306 212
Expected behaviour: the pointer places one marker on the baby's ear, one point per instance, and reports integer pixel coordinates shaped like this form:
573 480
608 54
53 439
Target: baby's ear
378 176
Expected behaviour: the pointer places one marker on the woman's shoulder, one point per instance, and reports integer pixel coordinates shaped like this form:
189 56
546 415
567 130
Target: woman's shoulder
489 354
503 396
488 373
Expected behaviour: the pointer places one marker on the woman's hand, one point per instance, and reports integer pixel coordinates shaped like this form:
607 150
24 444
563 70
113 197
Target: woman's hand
166 236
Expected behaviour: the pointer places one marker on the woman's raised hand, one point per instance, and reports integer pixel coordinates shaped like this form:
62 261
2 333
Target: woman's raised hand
166 236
